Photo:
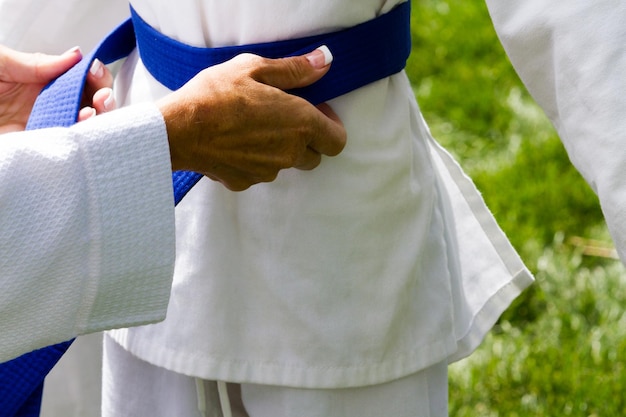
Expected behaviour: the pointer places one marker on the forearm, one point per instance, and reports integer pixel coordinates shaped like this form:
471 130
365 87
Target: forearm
87 235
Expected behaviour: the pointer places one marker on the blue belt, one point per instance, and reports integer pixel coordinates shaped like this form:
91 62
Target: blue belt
362 54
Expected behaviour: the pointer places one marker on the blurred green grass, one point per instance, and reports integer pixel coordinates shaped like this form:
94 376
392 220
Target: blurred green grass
560 350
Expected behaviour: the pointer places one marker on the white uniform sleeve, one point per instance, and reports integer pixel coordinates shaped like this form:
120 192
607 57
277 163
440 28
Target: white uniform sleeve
86 228
53 26
571 55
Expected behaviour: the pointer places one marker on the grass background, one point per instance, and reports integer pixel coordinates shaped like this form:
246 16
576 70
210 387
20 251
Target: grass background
560 350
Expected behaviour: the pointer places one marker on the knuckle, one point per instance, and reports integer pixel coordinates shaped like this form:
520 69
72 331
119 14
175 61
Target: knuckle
236 185
269 177
316 159
297 150
307 130
249 62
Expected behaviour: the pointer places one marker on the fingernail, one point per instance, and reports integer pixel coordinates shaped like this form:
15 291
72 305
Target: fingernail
97 69
321 57
109 103
87 113
71 51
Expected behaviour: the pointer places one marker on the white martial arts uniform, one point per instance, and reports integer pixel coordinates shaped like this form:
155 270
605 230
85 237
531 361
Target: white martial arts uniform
381 263
354 265
354 274
85 238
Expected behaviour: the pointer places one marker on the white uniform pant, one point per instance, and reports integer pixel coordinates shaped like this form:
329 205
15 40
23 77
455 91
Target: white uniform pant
134 388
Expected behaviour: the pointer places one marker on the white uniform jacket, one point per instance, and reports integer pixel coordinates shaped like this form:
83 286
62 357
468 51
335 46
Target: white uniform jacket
86 230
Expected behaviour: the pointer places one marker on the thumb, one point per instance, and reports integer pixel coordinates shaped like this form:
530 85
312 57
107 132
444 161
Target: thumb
22 67
297 71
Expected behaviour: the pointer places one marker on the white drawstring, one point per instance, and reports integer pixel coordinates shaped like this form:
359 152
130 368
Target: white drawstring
201 397
222 390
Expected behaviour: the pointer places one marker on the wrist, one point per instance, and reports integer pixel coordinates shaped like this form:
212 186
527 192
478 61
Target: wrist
175 120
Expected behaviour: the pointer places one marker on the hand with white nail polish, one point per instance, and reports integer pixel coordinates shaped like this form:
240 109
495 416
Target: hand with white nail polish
98 96
220 123
22 76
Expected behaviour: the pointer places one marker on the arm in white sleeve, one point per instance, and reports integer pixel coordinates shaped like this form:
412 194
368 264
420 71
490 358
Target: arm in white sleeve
53 26
571 55
86 228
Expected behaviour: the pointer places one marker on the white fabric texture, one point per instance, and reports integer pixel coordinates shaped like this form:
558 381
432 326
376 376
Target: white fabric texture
572 58
354 265
168 393
73 387
86 237
55 26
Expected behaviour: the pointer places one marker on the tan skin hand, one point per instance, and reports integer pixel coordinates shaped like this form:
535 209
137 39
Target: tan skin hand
23 75
233 123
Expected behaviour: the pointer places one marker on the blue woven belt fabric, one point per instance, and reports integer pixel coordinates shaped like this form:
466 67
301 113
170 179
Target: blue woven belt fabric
362 54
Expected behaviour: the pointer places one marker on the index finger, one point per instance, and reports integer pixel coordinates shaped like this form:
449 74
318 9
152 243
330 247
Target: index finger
331 135
22 67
